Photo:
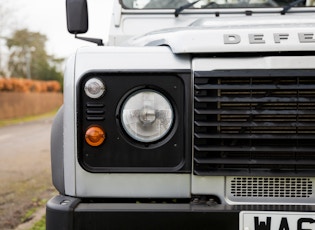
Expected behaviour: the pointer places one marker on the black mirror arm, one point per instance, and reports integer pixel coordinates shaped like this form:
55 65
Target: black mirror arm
98 41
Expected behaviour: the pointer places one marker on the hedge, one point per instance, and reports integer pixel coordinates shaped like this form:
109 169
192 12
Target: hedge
27 85
18 104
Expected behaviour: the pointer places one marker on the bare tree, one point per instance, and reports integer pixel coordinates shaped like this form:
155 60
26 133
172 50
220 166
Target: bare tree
6 21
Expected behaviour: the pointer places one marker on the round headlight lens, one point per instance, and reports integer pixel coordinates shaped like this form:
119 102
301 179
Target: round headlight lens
94 88
147 116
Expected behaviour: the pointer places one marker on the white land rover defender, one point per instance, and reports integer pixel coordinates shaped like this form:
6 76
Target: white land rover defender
195 115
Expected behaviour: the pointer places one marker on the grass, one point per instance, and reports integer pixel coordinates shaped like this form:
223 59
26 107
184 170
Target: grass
28 214
40 225
14 121
20 206
36 204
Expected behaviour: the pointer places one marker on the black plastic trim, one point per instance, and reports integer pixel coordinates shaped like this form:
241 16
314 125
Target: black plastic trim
120 153
60 212
79 214
254 122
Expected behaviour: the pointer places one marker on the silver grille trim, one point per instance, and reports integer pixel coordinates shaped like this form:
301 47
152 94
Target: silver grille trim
270 189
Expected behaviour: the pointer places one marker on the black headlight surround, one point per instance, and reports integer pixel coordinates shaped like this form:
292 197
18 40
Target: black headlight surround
119 152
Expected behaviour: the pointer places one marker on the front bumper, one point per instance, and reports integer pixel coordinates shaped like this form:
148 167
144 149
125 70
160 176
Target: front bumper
64 212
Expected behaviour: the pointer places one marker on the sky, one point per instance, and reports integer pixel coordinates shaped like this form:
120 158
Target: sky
49 18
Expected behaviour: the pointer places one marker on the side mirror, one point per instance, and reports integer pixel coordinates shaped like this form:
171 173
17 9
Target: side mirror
77 16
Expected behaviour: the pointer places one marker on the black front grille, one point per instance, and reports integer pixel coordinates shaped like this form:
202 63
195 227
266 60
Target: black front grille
254 122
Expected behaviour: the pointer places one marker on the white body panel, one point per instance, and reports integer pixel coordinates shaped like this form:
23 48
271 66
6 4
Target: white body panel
69 129
236 34
173 49
125 25
81 183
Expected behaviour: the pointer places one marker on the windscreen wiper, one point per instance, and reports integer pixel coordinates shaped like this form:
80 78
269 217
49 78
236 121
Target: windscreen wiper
288 7
186 6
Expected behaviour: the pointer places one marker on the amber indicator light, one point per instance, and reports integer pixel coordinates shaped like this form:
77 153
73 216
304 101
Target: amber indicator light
94 136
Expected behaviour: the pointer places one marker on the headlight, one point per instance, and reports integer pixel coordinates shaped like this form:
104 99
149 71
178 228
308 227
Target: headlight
94 88
147 116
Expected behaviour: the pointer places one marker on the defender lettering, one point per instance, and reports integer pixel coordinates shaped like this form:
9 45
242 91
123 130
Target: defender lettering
260 38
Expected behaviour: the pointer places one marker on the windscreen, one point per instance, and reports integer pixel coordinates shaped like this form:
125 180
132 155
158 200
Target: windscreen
208 4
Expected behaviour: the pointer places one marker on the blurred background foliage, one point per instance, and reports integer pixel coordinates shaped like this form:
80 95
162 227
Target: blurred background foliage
23 52
28 85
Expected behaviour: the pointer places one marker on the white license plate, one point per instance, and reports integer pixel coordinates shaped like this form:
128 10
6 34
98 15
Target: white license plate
254 220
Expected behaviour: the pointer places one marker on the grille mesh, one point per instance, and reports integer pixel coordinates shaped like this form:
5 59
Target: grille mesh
247 187
254 123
